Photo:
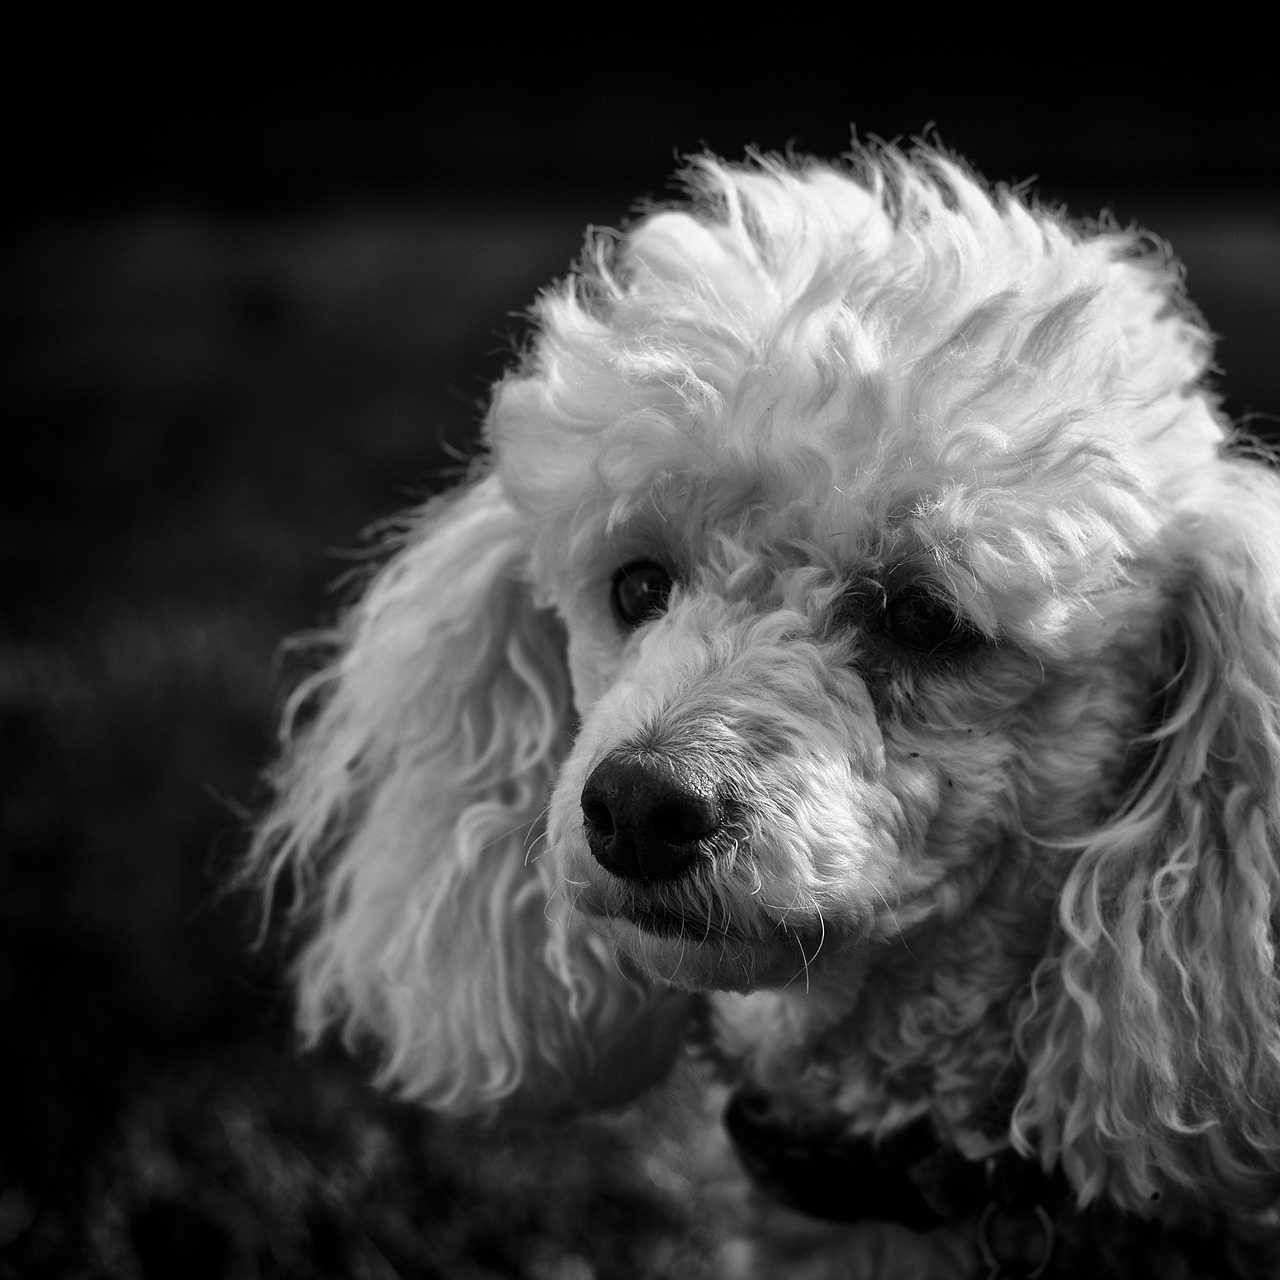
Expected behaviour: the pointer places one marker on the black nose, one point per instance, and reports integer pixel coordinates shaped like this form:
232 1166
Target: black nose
648 817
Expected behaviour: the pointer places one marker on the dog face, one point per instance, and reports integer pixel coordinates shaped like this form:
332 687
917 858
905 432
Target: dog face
851 598
858 595
808 733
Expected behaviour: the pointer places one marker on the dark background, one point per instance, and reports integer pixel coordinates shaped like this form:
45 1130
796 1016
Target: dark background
254 290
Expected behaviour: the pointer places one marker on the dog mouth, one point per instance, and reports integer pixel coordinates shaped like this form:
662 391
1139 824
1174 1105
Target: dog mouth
691 925
664 922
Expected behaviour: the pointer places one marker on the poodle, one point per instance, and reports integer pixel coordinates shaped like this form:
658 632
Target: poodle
856 656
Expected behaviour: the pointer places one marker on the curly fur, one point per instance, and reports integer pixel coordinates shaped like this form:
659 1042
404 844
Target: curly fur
1045 862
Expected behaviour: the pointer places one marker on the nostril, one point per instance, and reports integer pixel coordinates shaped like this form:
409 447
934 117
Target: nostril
597 814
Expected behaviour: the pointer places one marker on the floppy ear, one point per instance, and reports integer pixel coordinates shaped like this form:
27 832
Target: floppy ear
409 812
1153 1038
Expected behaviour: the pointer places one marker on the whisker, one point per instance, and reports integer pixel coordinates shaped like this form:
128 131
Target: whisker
531 853
889 910
808 960
531 841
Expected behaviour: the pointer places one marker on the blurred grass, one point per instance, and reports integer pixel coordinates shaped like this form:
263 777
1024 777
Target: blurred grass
204 411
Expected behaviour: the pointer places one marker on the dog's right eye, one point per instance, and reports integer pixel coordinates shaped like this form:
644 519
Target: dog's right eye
640 592
916 620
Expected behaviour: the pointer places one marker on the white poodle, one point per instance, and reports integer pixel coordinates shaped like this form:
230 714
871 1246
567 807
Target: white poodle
859 654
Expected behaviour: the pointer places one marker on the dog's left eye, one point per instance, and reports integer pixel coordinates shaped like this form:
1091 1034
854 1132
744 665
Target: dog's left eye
917 620
640 592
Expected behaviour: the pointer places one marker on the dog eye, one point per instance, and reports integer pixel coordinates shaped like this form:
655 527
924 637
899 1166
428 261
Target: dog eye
640 592
918 620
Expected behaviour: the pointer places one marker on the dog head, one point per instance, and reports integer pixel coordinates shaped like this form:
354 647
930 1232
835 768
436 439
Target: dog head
856 554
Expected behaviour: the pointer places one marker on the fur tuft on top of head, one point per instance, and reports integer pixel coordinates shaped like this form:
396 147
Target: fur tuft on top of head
906 303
